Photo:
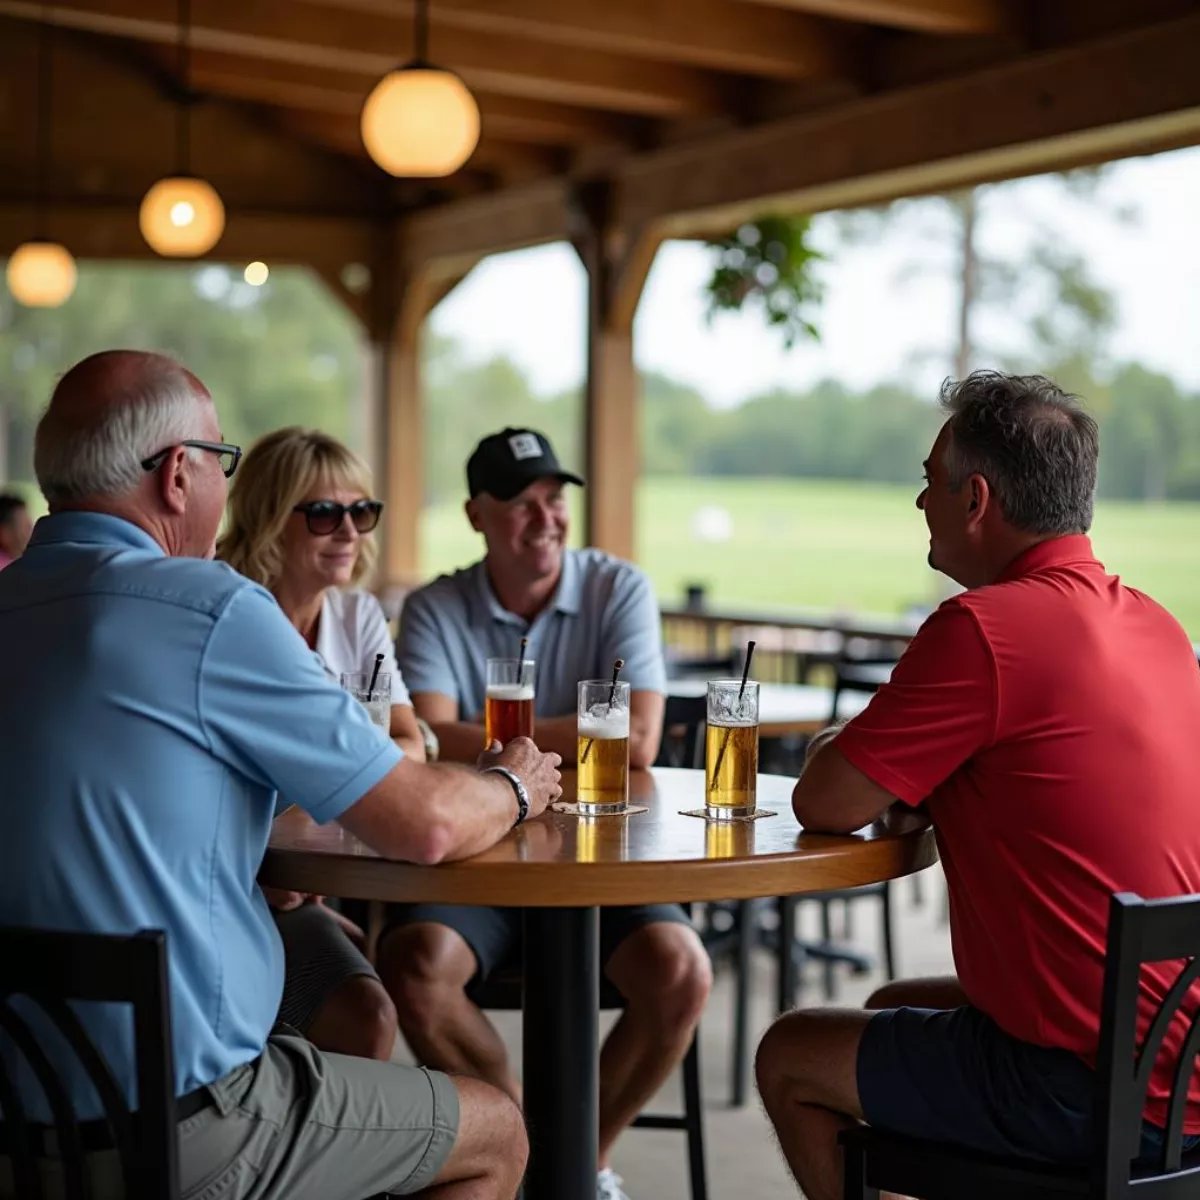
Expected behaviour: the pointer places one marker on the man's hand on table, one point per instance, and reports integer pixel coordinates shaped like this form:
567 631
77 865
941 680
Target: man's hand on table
538 771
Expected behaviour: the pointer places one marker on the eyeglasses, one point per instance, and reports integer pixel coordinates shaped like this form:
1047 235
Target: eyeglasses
324 517
228 456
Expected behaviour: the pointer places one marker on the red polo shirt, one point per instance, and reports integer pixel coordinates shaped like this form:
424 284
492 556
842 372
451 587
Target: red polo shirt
1051 721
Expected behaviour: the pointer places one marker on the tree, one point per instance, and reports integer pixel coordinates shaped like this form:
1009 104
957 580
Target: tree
283 353
768 262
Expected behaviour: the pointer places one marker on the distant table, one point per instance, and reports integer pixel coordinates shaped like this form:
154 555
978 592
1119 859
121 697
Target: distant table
562 870
786 708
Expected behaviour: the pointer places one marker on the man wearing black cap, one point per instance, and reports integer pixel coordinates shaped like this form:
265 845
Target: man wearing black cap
580 610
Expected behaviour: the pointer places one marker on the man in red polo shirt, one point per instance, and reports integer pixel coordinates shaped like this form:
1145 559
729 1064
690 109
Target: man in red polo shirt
1049 720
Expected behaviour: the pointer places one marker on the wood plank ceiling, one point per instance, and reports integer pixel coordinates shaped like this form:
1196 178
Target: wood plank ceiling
567 88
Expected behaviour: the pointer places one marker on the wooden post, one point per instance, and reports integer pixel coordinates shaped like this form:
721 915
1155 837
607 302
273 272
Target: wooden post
399 302
617 262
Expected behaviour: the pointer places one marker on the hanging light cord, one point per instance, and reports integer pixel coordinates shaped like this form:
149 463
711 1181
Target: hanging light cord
421 32
183 128
41 176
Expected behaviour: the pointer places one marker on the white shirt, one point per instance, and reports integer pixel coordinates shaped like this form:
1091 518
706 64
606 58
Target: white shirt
351 631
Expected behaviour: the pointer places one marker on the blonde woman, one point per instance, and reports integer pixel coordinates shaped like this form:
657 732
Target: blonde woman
301 518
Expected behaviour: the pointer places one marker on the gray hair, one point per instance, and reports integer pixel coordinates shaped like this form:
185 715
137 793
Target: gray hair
1035 444
99 453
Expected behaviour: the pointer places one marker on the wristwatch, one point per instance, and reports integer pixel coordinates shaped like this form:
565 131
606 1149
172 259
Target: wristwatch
517 785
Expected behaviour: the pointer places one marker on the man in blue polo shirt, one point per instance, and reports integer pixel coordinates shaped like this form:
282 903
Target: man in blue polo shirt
153 707
580 610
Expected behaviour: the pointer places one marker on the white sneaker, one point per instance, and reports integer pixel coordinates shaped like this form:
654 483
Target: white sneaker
608 1185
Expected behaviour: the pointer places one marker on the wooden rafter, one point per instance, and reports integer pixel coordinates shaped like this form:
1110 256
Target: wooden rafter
319 36
925 16
716 34
313 89
1130 94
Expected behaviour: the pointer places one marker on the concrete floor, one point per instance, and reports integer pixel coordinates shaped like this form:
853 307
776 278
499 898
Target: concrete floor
743 1161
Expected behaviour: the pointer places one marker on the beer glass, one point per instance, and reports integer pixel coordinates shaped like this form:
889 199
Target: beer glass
508 709
731 749
602 784
377 700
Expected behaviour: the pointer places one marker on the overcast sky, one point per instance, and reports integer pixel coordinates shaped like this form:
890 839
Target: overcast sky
889 307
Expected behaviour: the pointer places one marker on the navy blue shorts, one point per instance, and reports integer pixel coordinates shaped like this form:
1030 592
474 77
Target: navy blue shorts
953 1075
496 938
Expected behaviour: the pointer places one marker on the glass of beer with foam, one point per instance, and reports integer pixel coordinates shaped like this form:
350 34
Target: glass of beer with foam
508 708
603 747
731 749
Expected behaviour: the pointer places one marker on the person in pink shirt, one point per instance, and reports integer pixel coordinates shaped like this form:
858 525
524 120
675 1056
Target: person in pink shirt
15 527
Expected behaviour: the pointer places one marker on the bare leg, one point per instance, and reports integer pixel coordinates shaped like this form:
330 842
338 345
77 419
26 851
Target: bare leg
665 975
356 1018
934 992
426 968
490 1151
806 1077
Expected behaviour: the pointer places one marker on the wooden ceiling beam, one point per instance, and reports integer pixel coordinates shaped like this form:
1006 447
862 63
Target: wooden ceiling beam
315 36
922 16
1135 93
714 34
286 85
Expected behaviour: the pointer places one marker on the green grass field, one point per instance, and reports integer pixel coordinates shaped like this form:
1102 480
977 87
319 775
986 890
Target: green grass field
819 544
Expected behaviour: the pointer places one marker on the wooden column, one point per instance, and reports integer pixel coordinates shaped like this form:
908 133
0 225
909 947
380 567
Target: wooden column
401 301
617 262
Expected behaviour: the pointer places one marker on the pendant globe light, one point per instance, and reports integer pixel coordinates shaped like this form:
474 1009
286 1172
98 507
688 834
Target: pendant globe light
41 273
182 216
420 120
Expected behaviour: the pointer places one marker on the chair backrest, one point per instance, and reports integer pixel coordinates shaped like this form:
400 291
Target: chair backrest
684 723
1140 932
859 675
46 970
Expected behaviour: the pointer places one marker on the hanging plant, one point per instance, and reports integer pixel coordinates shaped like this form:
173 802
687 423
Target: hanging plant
769 262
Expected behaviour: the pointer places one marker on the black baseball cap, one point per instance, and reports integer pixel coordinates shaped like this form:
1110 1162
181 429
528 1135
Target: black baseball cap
504 464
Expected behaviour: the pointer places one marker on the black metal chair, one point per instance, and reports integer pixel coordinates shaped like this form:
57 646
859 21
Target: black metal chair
46 970
503 993
684 721
1139 932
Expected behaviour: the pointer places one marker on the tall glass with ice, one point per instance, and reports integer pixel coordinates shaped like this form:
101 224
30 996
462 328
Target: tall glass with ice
731 749
603 747
376 700
508 708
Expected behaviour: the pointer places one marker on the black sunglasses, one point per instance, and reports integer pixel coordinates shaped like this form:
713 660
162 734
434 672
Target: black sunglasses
229 456
325 516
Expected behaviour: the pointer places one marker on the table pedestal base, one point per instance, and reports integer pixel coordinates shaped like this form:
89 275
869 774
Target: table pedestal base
561 1051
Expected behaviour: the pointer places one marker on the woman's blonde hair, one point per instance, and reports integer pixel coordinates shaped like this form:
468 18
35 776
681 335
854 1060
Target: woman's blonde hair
274 476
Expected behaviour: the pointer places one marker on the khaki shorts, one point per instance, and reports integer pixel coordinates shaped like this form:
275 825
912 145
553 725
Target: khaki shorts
297 1124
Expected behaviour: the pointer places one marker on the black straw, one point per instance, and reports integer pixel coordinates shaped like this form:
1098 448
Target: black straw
741 693
612 697
521 662
374 676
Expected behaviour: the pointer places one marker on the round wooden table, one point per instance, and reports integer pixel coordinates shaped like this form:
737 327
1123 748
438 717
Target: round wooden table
562 870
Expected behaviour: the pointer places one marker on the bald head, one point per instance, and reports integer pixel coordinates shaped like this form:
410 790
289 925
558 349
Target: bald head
109 413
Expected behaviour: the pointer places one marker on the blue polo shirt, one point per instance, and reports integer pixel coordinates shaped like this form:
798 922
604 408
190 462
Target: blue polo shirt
151 709
603 609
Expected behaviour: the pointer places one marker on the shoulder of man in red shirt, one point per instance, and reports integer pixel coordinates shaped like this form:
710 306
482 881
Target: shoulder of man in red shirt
1053 624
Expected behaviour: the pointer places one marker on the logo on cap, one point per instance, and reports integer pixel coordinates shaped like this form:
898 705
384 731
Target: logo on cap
525 445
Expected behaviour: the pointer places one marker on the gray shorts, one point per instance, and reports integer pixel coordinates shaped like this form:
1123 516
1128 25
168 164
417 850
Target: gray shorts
297 1124
318 958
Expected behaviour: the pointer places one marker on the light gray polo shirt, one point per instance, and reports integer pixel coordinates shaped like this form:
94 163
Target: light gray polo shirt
603 609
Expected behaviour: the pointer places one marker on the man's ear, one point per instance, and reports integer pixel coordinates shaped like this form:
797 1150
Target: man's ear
174 481
471 508
981 499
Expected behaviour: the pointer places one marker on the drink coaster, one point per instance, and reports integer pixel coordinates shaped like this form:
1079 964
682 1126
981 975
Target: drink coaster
703 815
572 810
